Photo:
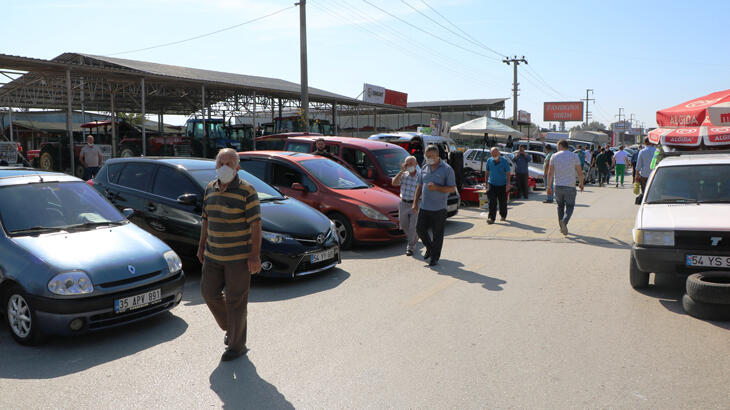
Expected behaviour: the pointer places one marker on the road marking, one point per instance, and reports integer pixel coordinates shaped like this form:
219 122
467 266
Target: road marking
443 284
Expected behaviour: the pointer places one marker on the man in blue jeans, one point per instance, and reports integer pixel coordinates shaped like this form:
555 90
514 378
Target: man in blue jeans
548 155
564 168
498 184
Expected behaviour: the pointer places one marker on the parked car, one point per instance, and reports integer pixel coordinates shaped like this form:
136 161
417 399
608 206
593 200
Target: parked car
682 226
476 160
71 263
375 161
361 212
445 145
536 167
167 194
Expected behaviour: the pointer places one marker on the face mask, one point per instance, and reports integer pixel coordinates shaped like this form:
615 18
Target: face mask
411 169
89 143
430 161
225 174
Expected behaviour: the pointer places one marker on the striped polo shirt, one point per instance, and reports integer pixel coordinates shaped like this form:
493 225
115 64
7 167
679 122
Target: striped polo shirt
230 215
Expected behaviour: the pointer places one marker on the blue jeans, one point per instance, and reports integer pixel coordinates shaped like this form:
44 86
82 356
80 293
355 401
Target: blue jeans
90 173
550 197
565 197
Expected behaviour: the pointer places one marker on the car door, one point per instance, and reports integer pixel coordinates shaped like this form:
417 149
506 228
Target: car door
132 191
361 162
176 224
283 176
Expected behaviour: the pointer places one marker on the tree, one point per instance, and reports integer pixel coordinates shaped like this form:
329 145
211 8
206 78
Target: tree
592 126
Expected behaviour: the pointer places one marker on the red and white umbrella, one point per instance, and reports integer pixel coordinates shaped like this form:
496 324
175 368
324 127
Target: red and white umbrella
694 113
702 120
689 137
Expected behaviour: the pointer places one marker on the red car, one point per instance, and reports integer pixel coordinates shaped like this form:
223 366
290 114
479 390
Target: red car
361 212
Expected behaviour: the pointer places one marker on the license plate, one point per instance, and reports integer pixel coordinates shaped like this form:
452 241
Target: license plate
137 301
323 256
709 261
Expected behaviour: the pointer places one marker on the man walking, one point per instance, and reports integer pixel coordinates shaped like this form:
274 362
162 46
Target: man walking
610 161
522 161
548 155
602 163
90 158
564 169
643 164
229 249
407 179
619 162
435 183
497 175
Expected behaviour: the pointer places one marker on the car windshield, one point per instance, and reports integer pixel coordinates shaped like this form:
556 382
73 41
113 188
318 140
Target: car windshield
696 183
390 160
333 174
266 192
52 206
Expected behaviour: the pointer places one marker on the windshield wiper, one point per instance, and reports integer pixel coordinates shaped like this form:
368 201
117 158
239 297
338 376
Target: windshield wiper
93 224
278 198
674 201
716 201
36 229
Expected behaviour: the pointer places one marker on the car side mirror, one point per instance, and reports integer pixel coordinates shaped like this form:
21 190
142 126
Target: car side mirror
298 187
188 199
127 213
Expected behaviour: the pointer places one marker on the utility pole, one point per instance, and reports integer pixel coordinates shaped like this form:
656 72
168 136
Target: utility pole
303 52
587 100
620 124
515 62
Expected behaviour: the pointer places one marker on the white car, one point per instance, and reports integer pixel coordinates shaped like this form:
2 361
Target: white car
474 159
683 223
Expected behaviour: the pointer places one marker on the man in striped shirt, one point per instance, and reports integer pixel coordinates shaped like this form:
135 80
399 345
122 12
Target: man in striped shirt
407 179
229 249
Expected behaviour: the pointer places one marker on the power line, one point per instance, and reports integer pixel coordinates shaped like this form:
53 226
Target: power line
206 34
462 31
450 30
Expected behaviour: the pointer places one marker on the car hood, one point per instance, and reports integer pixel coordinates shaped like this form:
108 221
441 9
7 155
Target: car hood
374 197
294 218
104 253
685 217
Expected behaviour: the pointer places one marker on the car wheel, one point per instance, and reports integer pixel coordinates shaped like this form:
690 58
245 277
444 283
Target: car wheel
21 318
638 279
127 152
705 311
46 162
344 230
79 173
709 287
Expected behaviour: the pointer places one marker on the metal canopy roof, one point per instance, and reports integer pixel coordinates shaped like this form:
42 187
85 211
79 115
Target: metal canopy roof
168 89
491 104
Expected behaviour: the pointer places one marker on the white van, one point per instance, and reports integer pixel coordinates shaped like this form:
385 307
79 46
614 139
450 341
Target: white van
446 145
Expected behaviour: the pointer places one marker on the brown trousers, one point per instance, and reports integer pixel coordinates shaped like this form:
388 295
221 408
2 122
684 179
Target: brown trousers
229 310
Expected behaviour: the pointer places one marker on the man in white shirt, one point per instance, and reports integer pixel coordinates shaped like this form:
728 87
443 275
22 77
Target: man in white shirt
619 161
565 169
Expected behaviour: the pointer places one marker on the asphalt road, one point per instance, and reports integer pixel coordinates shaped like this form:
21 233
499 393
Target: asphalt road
515 316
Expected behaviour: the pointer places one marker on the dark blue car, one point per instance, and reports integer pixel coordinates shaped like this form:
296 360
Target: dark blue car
70 262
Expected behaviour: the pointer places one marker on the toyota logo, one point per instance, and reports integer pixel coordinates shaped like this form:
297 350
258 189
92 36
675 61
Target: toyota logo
320 238
132 270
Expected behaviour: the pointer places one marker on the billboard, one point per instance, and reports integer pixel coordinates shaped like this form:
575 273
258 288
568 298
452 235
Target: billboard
380 95
524 116
563 111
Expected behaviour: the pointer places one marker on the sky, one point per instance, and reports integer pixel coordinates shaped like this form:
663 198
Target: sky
638 55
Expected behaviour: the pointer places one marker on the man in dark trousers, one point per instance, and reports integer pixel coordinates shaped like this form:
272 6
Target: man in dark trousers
436 182
229 249
522 161
497 175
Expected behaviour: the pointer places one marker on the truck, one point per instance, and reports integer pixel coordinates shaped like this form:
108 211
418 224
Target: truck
238 137
294 123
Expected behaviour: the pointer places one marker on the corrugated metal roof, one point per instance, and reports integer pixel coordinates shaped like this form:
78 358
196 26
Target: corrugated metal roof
489 104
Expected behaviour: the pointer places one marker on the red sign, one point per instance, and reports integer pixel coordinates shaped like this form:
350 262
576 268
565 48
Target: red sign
396 98
563 111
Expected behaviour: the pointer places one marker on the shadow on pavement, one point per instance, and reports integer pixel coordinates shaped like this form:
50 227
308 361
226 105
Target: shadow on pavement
239 386
669 290
454 269
455 227
62 356
377 251
535 229
613 243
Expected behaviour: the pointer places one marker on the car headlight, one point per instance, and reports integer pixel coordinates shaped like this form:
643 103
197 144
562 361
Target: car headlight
274 237
371 213
653 238
174 263
71 283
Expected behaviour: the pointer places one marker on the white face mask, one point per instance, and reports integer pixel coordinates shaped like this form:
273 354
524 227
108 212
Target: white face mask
225 174
430 161
411 169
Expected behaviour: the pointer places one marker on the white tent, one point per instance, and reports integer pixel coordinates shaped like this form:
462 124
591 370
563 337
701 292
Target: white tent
480 126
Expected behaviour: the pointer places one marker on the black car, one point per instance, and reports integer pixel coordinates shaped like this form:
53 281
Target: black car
167 194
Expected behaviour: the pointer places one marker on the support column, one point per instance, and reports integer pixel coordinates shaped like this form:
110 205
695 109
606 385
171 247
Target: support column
334 118
205 127
144 120
69 119
114 126
10 118
272 110
357 120
83 110
255 134
277 128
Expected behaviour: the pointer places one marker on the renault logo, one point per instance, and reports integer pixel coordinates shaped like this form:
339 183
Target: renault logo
132 270
715 240
320 238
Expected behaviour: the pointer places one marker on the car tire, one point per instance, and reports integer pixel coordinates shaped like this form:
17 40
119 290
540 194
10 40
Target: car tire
344 229
21 318
709 287
705 311
80 171
638 278
46 161
127 152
